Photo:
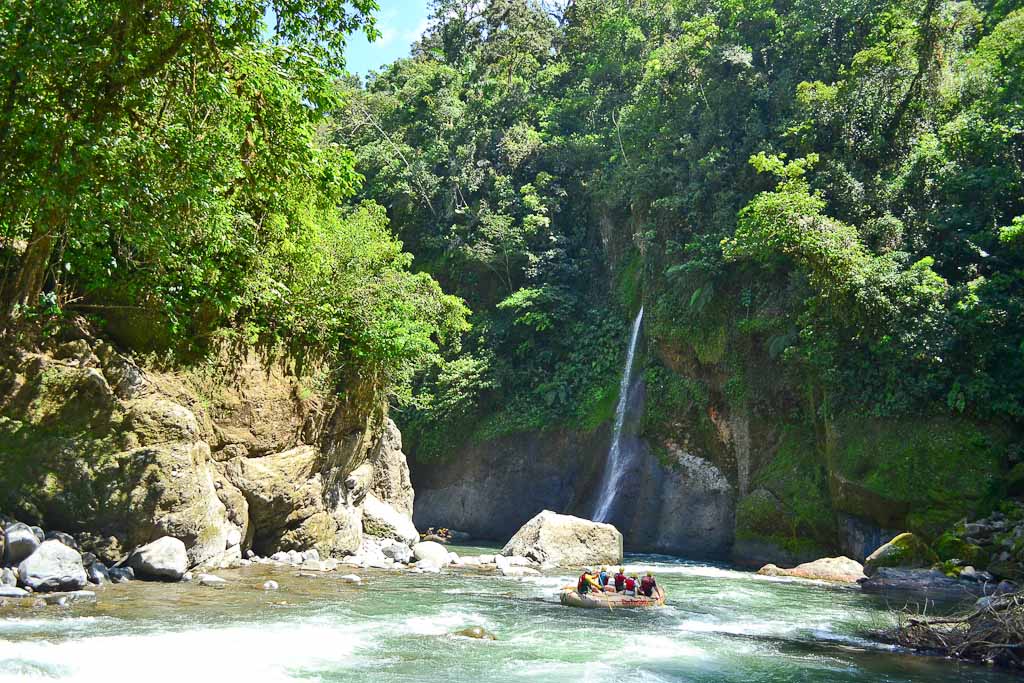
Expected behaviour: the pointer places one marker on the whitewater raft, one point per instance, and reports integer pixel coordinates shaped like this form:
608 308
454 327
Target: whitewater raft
612 601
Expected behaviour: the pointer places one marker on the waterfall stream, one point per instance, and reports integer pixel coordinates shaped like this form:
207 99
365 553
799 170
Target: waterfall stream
615 467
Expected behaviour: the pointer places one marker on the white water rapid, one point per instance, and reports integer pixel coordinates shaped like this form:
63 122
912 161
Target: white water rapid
615 467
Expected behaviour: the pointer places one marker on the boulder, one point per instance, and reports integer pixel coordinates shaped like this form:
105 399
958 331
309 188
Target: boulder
928 584
270 585
13 592
66 539
164 559
906 551
564 540
351 578
69 598
399 552
8 577
478 632
431 552
121 574
211 580
19 542
384 521
98 573
836 569
52 567
38 531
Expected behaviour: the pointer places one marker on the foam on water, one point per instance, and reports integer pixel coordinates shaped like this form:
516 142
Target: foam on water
259 652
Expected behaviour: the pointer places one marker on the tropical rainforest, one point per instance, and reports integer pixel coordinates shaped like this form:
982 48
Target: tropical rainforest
820 206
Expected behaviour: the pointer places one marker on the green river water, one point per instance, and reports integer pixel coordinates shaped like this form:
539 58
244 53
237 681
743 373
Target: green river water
719 626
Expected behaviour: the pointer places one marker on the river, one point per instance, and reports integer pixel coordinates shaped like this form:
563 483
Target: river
720 626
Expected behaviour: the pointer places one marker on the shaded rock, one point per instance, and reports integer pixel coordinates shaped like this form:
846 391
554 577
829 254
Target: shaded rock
922 583
98 573
384 521
38 531
52 567
19 542
121 574
836 569
164 559
8 577
478 632
64 538
905 550
432 552
564 540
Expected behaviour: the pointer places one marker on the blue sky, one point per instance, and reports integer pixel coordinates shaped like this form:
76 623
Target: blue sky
401 22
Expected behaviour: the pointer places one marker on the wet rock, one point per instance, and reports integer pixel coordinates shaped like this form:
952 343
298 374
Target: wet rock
98 573
52 567
270 585
517 571
64 538
564 540
905 551
836 569
69 598
922 583
164 559
478 632
19 542
351 578
431 552
121 574
211 580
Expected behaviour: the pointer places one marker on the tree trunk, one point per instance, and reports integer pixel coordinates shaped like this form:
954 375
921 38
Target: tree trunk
28 284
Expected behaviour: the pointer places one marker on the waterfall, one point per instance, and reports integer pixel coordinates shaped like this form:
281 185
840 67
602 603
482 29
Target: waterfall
615 467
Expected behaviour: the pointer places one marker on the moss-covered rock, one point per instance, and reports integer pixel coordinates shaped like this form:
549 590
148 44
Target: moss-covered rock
952 546
906 551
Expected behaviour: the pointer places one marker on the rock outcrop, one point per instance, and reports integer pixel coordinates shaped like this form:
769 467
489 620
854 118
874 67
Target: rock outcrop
52 567
905 551
383 521
835 569
567 541
244 457
924 584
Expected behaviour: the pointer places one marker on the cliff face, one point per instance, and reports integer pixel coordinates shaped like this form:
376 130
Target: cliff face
230 458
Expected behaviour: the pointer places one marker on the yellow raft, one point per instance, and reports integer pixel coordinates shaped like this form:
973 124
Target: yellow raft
571 598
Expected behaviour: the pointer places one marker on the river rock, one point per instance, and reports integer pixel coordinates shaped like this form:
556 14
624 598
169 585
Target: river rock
8 577
66 539
563 540
164 559
98 573
432 552
68 598
211 580
270 585
121 574
52 567
905 551
19 543
384 521
836 569
399 552
351 578
928 584
517 571
478 632
13 592
312 555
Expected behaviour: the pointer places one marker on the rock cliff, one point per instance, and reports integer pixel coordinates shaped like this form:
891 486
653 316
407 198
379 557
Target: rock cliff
225 457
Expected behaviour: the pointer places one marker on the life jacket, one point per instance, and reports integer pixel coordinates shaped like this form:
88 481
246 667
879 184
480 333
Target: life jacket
582 586
620 580
647 585
602 579
629 583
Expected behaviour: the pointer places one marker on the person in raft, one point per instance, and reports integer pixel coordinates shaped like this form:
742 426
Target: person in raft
629 586
588 582
648 585
620 580
602 578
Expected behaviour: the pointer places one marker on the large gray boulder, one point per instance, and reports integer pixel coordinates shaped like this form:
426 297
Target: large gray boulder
52 567
563 540
19 542
165 559
384 521
432 552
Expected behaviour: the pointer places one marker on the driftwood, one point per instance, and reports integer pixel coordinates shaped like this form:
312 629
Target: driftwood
993 632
